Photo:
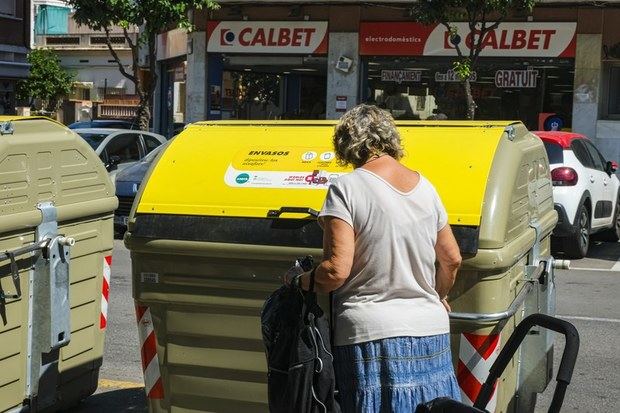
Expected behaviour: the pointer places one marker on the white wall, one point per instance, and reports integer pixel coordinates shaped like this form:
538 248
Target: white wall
608 139
59 3
587 83
98 68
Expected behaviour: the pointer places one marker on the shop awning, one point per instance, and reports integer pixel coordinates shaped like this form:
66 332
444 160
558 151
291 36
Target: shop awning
14 70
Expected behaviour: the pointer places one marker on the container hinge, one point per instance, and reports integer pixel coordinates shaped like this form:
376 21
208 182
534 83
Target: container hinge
535 250
511 133
6 128
52 280
49 310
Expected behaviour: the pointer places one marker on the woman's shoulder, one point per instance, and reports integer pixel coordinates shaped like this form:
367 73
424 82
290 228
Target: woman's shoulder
346 180
429 187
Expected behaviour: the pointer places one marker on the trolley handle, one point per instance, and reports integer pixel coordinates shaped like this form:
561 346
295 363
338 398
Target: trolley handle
275 213
567 364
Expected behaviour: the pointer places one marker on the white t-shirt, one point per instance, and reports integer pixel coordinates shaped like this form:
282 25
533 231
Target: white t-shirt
391 289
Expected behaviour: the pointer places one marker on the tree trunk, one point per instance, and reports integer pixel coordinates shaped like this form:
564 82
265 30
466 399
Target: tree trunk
143 115
471 104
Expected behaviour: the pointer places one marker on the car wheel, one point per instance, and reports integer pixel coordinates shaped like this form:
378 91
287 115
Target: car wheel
577 245
613 234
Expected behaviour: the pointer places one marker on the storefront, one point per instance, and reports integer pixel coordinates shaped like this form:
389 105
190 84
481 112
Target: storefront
267 69
11 72
526 71
172 49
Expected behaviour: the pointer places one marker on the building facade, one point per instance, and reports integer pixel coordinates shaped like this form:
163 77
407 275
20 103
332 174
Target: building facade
556 67
14 45
100 90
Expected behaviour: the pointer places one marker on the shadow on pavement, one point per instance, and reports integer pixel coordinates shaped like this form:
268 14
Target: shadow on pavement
123 400
607 251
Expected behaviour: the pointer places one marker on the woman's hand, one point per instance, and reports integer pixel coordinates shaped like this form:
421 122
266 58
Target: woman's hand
292 273
446 305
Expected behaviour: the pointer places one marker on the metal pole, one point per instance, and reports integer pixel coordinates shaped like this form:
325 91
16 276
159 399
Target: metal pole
23 250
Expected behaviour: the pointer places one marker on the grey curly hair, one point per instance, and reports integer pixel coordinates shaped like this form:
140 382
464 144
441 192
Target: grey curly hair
363 132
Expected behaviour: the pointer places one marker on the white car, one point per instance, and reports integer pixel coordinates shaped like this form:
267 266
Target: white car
120 148
585 191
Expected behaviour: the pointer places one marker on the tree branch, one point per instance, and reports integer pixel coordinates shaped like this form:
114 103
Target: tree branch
456 46
116 57
128 38
495 25
477 49
471 20
152 45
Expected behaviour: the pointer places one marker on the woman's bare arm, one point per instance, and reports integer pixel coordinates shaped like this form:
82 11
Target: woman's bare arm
449 258
338 249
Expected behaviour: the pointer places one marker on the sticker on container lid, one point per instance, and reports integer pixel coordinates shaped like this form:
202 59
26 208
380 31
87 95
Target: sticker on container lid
284 167
327 156
308 156
316 179
263 159
149 277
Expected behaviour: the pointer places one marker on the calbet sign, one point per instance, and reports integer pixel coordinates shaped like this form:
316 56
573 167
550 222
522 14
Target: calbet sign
510 39
303 37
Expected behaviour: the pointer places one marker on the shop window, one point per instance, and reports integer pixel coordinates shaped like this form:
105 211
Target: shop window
428 88
613 105
7 7
255 95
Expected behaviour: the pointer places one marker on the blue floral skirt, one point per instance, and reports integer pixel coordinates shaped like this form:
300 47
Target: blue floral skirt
395 374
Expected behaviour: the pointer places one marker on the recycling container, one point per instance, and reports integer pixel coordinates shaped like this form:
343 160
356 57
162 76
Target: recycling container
56 235
228 206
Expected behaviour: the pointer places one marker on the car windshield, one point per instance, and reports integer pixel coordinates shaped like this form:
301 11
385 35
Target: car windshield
93 139
554 152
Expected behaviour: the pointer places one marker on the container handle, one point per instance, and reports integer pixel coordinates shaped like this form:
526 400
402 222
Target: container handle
565 372
275 213
537 276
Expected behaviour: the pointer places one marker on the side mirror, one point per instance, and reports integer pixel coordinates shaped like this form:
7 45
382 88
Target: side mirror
611 167
113 163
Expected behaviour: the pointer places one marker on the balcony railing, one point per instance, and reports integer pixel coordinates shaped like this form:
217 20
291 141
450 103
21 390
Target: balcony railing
96 41
120 108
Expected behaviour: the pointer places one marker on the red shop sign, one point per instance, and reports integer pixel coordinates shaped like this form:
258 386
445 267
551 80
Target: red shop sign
523 39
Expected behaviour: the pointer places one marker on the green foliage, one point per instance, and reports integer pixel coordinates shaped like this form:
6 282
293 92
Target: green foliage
152 16
47 82
463 68
443 11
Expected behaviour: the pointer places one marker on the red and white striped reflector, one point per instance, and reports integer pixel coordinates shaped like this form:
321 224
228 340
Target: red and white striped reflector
105 291
477 353
148 347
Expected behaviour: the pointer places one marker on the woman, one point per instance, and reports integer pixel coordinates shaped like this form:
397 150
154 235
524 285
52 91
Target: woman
384 229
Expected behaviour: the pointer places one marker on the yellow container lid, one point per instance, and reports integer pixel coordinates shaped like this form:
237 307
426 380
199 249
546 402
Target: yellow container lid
246 169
